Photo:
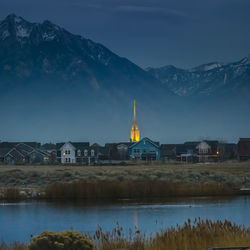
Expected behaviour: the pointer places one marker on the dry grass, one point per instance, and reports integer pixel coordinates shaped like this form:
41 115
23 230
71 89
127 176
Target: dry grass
199 235
15 246
41 176
133 190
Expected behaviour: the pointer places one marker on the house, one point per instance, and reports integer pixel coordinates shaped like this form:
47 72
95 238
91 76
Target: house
72 152
168 152
244 149
14 156
227 151
123 150
145 149
118 151
50 149
80 153
207 151
22 153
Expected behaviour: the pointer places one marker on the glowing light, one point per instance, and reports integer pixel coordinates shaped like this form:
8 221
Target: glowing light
64 153
135 133
217 152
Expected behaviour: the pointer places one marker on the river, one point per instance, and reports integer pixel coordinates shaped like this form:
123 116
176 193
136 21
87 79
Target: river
18 221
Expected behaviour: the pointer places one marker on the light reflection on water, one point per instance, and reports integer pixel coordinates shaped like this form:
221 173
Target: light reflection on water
20 220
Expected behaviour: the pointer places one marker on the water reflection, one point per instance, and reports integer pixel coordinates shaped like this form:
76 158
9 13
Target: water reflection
20 220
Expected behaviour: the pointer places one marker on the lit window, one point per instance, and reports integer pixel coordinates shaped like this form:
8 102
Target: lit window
78 152
92 152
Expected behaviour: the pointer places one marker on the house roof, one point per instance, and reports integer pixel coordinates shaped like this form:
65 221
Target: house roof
39 151
168 146
24 148
7 144
145 139
181 148
77 145
80 145
4 151
48 146
244 140
244 147
15 153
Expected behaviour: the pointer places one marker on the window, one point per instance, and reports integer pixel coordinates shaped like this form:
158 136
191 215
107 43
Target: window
78 152
136 150
85 152
68 159
92 152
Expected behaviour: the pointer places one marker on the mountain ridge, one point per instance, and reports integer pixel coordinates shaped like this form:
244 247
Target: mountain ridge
206 79
55 85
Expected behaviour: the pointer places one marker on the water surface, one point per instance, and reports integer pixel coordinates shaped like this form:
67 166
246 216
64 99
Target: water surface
18 221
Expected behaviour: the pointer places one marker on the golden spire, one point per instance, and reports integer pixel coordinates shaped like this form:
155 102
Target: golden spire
134 112
135 133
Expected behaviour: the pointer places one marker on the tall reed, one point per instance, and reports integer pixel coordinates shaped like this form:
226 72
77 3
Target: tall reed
131 190
199 235
196 235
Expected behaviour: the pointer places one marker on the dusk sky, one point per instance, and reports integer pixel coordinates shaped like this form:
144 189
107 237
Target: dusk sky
151 32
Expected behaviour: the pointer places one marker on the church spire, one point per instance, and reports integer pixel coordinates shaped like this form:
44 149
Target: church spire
135 133
134 112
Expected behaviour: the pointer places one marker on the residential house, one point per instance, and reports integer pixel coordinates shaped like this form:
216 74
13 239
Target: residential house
145 149
244 149
168 152
50 149
22 153
227 151
72 152
207 151
80 153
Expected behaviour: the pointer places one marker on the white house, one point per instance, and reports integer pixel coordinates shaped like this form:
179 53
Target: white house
208 151
79 153
68 153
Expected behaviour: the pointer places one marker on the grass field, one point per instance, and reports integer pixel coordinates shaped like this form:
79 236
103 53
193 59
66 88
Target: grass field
133 181
41 176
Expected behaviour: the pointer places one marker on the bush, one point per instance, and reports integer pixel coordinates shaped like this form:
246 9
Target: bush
61 241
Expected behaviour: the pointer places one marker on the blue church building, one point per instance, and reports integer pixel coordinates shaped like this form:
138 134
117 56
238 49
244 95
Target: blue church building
145 149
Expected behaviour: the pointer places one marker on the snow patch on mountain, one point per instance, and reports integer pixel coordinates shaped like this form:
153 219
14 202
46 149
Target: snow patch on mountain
22 32
48 36
207 79
5 34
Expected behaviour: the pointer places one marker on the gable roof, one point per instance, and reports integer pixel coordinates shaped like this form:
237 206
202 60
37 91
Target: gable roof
7 144
76 145
48 146
24 148
15 153
80 145
145 139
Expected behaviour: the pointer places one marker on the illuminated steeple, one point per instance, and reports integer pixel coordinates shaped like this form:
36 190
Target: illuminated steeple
135 133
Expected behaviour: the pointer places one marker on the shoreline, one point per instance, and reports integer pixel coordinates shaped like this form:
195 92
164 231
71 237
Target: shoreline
114 192
196 235
121 182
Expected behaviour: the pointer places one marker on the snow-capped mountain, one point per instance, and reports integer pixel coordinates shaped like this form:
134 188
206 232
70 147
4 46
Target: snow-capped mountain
57 85
208 79
45 51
